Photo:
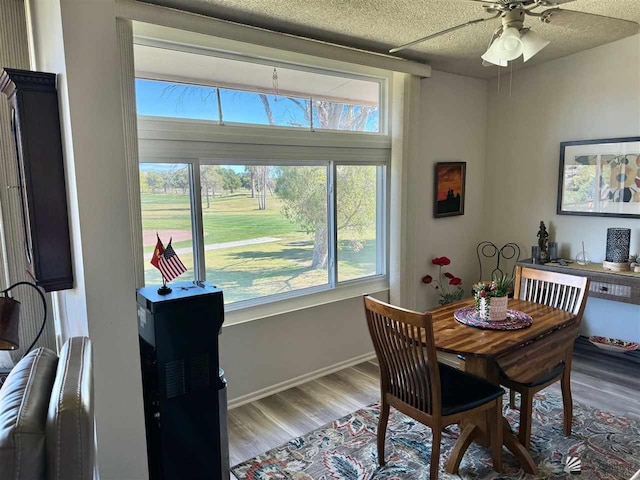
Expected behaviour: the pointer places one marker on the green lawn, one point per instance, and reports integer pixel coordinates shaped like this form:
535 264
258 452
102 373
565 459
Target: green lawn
249 271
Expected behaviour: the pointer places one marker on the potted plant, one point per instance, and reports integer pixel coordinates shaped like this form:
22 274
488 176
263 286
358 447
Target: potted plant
491 298
447 285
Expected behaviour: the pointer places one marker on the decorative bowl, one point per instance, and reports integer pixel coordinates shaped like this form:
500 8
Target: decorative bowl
614 344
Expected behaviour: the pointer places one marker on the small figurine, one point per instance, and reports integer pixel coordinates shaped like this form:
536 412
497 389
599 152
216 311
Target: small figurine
543 237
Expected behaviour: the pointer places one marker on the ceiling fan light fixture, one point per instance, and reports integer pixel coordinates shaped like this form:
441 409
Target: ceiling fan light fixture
532 44
492 55
510 44
505 48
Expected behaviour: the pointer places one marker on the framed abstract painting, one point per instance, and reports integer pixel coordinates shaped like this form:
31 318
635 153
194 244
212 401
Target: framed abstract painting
449 189
600 178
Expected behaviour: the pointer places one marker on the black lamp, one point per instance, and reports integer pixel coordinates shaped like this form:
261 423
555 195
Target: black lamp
10 318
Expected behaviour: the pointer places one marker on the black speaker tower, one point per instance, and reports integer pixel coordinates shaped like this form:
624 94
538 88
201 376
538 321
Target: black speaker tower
184 388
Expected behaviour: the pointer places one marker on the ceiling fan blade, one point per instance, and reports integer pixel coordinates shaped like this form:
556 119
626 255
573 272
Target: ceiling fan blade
588 21
523 3
552 3
443 32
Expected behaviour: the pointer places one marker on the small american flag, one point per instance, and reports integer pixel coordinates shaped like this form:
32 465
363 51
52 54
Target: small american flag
166 260
169 264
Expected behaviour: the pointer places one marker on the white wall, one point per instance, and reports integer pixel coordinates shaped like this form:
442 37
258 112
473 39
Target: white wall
263 353
452 128
590 95
259 354
77 40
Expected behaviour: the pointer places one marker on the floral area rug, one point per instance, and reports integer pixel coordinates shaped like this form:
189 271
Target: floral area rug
608 447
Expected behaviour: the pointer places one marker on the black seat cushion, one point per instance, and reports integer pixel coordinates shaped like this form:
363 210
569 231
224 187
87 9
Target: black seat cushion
462 391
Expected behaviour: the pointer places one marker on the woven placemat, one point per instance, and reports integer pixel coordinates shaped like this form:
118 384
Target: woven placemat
515 320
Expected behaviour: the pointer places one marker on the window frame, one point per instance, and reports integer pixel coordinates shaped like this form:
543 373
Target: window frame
382 81
333 282
204 142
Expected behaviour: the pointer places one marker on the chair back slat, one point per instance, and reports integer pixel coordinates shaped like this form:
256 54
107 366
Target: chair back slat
403 341
567 292
558 290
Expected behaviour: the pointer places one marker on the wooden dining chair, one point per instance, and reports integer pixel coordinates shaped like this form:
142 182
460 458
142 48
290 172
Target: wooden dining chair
413 382
533 367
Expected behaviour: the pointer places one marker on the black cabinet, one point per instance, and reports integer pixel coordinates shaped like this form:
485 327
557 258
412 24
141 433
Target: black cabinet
35 122
184 389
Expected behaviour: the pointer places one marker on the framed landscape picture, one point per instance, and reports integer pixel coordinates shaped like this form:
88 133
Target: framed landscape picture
449 189
600 178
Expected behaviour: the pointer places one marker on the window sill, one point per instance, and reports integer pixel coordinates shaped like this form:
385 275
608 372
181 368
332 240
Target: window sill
235 315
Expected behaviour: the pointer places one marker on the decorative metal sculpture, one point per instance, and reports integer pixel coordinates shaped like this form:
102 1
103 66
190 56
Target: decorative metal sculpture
490 250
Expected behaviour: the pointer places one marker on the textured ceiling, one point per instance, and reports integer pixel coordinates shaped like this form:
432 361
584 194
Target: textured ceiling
377 25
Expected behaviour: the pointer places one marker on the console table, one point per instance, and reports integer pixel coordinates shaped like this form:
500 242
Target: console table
616 286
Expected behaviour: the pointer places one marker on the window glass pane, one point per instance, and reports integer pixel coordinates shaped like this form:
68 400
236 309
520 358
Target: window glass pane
176 100
166 209
342 116
356 208
264 109
265 228
254 92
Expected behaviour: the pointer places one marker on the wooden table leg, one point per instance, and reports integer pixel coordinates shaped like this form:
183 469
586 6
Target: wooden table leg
487 369
468 434
519 451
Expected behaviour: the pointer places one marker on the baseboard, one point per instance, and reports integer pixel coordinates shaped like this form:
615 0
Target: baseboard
294 382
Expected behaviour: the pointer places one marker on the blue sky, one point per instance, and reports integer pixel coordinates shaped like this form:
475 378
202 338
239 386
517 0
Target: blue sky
167 99
166 167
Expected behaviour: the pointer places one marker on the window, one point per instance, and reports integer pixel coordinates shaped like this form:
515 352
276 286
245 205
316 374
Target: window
244 92
266 229
260 228
262 212
176 100
165 195
357 222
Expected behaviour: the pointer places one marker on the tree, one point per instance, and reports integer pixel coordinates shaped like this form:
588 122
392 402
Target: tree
326 115
167 180
210 181
303 191
251 170
230 180
144 186
154 180
180 180
245 180
263 183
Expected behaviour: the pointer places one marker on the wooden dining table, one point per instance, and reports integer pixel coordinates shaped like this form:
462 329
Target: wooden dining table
480 348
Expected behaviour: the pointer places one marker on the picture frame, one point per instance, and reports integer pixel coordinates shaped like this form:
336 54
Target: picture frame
600 178
449 189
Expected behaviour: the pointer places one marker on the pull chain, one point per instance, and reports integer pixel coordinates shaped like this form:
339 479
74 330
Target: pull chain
275 81
510 78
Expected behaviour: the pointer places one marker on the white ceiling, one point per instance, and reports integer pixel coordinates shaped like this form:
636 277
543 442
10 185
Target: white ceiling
377 25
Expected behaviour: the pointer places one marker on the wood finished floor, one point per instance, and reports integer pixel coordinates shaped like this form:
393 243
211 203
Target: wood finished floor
601 380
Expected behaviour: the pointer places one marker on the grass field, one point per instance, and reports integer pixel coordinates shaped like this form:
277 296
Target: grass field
247 271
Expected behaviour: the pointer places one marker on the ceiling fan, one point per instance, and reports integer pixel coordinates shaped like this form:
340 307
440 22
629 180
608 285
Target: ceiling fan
512 39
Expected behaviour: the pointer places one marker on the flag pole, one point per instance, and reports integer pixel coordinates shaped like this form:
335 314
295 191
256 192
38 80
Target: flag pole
166 260
164 290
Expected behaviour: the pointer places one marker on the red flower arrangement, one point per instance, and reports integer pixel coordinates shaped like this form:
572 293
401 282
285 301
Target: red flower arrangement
442 286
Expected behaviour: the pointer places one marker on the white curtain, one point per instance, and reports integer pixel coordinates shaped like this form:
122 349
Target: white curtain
405 95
